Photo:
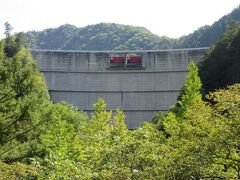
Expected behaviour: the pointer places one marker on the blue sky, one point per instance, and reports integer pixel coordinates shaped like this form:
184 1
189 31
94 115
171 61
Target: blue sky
172 18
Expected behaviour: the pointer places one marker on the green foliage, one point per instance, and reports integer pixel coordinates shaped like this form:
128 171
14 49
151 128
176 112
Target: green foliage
224 136
62 144
75 144
17 171
205 143
60 138
221 65
24 101
50 38
191 90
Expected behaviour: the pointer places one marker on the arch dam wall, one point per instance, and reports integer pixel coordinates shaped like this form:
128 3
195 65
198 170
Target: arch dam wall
80 77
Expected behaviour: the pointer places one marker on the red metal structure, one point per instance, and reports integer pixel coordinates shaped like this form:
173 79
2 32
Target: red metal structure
117 61
134 61
128 61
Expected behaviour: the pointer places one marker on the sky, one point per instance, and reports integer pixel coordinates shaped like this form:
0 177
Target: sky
172 18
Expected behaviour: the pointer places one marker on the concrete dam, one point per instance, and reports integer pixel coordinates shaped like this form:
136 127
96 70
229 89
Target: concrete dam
80 77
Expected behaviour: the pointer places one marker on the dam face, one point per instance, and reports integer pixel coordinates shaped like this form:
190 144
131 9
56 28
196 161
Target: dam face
79 78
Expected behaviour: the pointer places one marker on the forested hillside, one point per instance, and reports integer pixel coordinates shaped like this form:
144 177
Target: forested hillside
97 37
50 38
221 65
110 36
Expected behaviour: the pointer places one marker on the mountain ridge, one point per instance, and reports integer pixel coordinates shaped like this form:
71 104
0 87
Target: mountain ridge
112 36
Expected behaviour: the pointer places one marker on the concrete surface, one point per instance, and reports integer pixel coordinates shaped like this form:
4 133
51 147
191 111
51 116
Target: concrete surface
80 77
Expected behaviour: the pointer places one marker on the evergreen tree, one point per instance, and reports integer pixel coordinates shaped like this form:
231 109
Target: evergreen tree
24 101
190 92
8 29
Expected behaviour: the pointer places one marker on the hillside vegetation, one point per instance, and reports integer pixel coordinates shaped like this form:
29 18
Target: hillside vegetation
110 36
97 37
221 65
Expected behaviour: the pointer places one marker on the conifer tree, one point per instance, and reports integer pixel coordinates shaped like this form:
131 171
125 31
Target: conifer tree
24 100
191 90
